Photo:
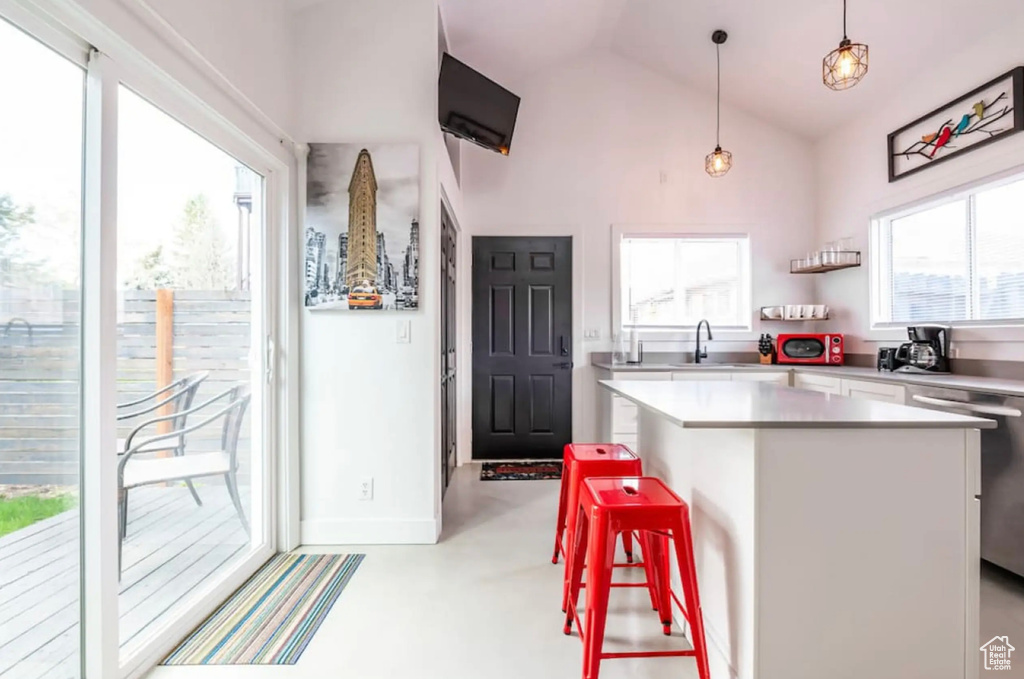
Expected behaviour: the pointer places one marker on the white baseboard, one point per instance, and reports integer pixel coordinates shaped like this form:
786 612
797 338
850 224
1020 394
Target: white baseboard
370 531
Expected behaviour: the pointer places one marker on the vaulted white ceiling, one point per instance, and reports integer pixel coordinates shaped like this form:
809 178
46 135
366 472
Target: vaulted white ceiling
771 65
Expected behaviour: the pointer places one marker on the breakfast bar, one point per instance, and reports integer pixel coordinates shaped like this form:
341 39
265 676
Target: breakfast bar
833 537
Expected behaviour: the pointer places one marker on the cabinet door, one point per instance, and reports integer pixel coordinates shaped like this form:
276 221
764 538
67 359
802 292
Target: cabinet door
780 378
826 385
875 391
622 414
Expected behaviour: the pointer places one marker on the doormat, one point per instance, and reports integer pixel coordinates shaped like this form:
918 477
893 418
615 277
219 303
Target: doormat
273 617
521 471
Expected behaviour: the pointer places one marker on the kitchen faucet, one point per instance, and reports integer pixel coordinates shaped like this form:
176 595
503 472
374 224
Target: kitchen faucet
698 355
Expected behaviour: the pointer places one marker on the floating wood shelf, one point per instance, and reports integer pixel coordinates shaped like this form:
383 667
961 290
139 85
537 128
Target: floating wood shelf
844 260
792 320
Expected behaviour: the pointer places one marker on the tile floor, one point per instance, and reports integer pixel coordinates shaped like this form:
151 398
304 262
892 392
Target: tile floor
484 603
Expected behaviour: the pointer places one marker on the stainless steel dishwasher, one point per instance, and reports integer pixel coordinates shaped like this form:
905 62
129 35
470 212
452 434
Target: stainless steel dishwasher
1002 467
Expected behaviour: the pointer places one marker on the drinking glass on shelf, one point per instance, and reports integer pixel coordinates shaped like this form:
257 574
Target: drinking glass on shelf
846 248
829 254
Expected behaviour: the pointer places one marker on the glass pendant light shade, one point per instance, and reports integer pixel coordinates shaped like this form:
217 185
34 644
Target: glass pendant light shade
845 66
718 163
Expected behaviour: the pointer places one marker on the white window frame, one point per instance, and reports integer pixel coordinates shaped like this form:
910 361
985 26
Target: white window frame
880 269
683 232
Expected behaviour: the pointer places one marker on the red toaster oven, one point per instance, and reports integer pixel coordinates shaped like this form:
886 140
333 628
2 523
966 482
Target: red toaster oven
811 349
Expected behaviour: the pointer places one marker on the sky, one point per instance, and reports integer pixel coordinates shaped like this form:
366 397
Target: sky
161 163
396 168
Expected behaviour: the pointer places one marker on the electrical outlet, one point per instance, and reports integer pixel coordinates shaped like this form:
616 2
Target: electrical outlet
366 488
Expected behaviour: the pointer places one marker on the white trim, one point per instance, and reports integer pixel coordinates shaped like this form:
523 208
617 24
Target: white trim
179 63
202 603
46 31
188 50
743 333
465 291
100 634
370 531
289 344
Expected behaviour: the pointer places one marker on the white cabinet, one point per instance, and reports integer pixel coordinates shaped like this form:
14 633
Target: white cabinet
692 375
826 385
618 416
780 377
875 391
775 377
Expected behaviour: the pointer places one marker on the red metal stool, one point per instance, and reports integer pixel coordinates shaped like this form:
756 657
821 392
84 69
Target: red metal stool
581 461
607 507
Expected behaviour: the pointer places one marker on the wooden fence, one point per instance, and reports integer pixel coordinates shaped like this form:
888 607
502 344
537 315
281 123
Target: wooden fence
39 368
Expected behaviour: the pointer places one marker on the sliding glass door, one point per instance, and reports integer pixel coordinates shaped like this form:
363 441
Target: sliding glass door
41 118
135 351
189 376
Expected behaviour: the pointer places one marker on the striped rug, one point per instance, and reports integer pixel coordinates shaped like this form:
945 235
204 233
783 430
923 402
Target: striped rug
271 619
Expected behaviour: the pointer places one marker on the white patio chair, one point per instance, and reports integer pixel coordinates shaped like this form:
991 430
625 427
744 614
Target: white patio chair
178 397
133 471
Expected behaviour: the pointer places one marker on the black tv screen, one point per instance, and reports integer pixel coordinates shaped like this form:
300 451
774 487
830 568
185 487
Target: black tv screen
474 107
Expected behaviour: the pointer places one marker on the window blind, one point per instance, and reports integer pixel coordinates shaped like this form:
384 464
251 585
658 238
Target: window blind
961 260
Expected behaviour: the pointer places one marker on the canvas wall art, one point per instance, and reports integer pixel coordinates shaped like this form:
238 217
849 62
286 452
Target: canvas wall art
982 116
362 227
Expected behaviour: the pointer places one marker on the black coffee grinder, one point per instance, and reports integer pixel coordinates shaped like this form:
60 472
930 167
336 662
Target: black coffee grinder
927 351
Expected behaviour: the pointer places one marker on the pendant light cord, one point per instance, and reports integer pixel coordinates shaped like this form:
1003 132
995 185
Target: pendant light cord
718 97
844 20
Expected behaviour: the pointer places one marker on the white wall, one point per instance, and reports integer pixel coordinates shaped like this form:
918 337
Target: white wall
245 42
367 72
602 141
853 184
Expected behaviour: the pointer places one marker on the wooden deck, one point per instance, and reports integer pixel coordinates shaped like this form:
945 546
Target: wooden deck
172 547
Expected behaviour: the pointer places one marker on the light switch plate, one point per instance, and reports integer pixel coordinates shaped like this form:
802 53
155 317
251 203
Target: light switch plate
404 332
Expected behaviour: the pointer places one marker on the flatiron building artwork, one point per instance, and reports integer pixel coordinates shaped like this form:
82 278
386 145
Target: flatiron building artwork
362 223
362 226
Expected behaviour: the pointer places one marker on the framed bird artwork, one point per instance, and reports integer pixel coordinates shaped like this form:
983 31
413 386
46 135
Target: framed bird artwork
980 117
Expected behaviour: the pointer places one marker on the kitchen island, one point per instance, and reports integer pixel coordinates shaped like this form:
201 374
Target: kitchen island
833 537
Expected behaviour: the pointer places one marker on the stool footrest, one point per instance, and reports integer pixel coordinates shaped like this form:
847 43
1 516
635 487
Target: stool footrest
649 654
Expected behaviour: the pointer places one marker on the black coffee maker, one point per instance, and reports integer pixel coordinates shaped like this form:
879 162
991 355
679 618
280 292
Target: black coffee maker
927 351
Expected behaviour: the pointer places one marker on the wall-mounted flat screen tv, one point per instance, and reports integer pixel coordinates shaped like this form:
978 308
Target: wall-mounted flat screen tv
474 107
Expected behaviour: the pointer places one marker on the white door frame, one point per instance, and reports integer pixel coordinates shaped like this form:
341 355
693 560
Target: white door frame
465 352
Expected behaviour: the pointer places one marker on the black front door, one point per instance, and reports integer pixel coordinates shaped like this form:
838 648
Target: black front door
522 347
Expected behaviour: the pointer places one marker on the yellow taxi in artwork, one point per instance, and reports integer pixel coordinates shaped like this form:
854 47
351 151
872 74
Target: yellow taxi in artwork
365 296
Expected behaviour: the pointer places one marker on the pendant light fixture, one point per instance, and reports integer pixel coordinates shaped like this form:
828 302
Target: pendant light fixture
718 162
846 65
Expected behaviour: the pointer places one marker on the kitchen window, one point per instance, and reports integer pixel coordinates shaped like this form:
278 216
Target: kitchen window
671 282
956 260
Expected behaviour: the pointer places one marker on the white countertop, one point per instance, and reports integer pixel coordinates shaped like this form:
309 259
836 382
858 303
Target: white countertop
965 382
757 405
